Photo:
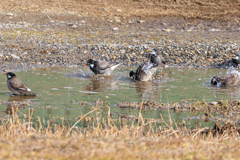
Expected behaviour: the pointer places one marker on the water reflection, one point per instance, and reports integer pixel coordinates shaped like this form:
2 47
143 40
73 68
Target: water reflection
15 102
99 84
151 90
19 98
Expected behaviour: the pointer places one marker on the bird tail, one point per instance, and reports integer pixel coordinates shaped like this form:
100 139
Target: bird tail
115 66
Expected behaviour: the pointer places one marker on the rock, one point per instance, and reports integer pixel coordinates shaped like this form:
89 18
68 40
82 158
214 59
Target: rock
15 56
9 14
141 21
214 30
115 29
117 19
74 26
119 10
214 103
167 30
131 21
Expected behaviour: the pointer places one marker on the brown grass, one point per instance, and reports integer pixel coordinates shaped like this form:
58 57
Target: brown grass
107 138
206 9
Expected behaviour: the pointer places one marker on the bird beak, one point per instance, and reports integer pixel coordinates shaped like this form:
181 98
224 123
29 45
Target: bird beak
5 73
231 56
85 64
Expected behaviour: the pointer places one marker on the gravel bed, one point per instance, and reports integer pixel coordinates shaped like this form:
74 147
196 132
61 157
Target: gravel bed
29 40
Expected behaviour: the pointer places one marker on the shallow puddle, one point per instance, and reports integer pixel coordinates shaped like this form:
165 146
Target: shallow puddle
61 91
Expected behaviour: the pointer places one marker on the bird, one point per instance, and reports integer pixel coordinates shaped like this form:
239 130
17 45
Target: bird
236 58
144 72
102 67
229 79
16 86
157 60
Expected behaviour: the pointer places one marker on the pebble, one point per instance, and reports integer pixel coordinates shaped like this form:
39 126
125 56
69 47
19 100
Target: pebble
9 14
141 21
115 29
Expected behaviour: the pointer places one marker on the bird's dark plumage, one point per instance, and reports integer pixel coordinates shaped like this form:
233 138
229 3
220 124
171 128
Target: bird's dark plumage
102 67
229 79
156 58
16 86
236 59
144 72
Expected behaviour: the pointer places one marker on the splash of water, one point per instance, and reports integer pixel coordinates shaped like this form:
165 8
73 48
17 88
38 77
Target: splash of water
233 70
82 73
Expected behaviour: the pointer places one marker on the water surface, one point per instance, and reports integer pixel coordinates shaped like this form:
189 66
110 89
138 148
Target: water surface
60 90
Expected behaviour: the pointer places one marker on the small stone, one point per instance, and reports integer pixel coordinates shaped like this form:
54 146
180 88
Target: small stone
9 14
15 56
119 10
115 29
213 103
74 26
214 30
141 21
167 30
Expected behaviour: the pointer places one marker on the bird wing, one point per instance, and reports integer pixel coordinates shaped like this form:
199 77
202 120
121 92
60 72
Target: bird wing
19 86
229 79
104 64
163 59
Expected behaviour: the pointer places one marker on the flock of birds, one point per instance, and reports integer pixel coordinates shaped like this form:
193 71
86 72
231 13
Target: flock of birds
143 73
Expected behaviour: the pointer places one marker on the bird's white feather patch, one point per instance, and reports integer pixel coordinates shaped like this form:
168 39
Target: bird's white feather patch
9 76
91 65
29 89
22 89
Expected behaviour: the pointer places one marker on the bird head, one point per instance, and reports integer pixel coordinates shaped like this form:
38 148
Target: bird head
9 75
90 61
131 74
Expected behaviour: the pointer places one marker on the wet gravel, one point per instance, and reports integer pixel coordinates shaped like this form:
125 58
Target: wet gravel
29 40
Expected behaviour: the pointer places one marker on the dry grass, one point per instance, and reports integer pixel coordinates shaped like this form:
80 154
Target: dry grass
206 9
107 138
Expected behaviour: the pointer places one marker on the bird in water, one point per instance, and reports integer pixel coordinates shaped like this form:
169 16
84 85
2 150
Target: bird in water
157 60
16 86
229 79
102 67
144 72
236 58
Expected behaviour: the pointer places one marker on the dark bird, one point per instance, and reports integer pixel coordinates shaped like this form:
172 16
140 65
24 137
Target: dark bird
229 79
102 67
16 86
236 58
157 60
144 72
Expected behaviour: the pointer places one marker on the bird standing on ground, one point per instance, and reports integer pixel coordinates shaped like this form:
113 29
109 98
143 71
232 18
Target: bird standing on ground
16 86
102 67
